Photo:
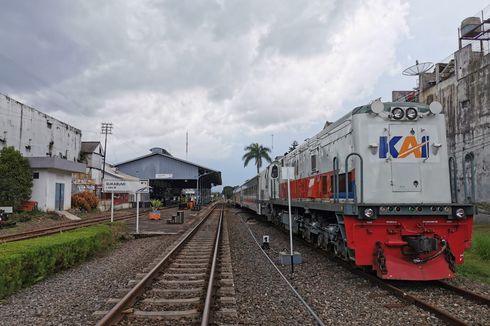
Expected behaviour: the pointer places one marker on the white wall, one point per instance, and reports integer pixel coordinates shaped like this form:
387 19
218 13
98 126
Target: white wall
21 126
43 190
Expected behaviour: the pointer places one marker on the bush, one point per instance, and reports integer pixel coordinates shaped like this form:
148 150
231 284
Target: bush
84 200
23 263
481 244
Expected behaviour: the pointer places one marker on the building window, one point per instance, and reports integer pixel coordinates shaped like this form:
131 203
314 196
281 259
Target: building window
49 124
465 105
35 175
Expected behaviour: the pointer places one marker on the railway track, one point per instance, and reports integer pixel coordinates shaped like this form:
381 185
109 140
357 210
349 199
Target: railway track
451 304
440 298
180 287
62 227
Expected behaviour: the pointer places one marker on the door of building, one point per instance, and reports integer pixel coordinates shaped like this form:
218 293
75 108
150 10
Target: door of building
59 197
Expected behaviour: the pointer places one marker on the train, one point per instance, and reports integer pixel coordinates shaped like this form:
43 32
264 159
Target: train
376 189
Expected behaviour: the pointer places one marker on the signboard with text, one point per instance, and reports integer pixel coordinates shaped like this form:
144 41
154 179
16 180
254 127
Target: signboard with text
126 186
164 176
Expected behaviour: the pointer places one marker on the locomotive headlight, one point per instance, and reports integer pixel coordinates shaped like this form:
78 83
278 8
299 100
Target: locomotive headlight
397 113
369 212
411 113
460 213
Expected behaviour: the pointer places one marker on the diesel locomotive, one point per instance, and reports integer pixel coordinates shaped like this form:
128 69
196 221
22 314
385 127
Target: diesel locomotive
376 188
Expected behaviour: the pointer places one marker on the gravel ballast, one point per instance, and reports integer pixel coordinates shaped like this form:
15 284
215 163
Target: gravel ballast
71 297
263 298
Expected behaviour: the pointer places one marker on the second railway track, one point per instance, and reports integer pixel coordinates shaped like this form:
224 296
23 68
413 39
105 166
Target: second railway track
66 226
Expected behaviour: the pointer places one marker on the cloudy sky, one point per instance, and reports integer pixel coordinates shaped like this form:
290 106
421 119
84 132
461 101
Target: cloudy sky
228 72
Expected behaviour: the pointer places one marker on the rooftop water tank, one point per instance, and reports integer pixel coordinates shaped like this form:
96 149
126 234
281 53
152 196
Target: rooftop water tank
471 27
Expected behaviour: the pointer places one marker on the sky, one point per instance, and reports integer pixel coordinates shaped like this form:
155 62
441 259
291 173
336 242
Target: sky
229 73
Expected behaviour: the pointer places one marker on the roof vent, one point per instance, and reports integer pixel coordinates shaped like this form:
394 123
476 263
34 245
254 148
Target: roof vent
159 150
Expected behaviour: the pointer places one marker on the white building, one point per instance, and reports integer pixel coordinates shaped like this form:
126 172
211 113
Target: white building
36 134
52 182
52 147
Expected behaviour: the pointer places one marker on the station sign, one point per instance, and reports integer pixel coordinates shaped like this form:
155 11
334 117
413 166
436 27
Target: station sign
7 209
126 186
164 176
287 172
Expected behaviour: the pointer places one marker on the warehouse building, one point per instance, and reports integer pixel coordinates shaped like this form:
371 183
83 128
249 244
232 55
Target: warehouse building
169 176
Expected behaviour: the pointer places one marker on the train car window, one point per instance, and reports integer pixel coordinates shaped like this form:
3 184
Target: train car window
313 163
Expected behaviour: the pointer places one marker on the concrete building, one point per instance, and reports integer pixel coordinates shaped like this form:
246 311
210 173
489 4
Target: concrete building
52 147
169 175
36 134
92 154
462 84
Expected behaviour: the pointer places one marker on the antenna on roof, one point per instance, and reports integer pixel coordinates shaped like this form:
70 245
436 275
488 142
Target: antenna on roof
186 144
418 68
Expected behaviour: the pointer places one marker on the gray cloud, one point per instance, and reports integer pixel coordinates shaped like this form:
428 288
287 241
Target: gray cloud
226 70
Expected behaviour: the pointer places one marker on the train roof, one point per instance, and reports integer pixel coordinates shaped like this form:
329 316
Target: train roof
388 105
332 127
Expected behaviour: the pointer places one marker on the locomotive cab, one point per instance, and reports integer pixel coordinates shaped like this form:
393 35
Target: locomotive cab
407 226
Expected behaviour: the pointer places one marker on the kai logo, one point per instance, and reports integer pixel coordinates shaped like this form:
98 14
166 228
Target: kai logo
401 147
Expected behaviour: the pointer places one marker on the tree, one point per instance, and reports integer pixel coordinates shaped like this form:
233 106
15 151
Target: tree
228 191
293 146
256 152
15 178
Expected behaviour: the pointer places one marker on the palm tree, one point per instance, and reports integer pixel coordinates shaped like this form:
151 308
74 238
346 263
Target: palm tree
256 152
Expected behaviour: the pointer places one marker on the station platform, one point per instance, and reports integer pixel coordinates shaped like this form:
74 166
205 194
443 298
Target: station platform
149 227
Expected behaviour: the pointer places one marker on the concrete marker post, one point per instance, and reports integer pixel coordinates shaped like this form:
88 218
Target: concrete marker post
137 213
112 207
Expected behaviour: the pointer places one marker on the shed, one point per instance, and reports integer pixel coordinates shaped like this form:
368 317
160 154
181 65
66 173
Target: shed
170 175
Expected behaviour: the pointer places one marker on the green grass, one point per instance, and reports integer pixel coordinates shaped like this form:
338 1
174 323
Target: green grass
477 259
23 263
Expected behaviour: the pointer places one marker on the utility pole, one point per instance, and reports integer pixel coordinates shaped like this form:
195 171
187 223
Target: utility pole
106 129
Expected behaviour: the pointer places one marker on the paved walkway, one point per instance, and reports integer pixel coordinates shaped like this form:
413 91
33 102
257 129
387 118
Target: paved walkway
157 227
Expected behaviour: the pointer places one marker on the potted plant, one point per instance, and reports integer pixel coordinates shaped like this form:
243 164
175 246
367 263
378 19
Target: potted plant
155 205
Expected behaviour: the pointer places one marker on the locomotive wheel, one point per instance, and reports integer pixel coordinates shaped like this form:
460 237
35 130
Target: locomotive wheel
319 241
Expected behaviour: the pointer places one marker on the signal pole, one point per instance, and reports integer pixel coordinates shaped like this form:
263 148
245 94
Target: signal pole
106 129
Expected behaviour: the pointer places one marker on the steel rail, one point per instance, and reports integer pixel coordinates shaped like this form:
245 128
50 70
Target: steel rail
478 298
65 226
209 293
115 314
441 314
